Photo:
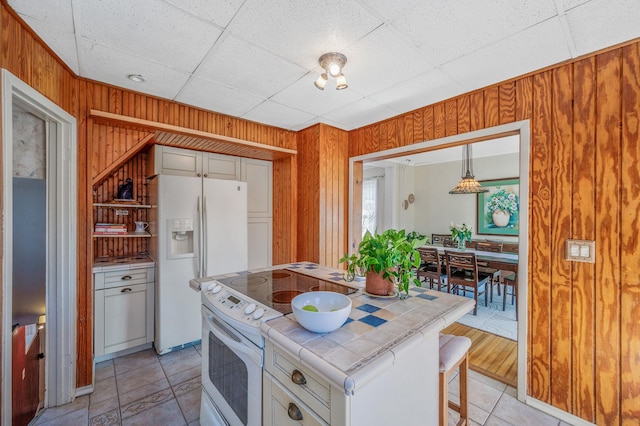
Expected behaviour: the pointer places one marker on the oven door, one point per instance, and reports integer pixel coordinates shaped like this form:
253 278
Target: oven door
231 371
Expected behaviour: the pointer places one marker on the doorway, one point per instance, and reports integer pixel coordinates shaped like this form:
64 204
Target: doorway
519 129
39 251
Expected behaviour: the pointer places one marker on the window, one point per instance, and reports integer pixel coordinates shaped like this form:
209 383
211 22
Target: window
369 199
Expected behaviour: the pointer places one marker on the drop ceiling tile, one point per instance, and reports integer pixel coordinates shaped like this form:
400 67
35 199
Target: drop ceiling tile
424 89
56 13
391 10
602 23
103 63
382 59
217 97
301 31
239 64
360 113
511 57
570 4
151 29
219 12
303 95
448 30
61 42
278 115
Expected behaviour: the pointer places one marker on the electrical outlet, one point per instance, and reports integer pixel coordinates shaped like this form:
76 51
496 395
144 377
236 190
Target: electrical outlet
580 250
122 212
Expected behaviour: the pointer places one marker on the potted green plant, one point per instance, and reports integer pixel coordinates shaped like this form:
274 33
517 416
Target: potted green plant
390 259
460 234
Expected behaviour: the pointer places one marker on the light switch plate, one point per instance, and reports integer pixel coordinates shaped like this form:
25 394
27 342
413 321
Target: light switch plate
580 250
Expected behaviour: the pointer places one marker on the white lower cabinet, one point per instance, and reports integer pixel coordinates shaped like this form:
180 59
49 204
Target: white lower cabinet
403 392
283 408
293 394
123 310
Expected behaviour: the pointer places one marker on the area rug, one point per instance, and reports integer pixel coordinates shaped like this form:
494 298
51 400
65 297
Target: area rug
493 319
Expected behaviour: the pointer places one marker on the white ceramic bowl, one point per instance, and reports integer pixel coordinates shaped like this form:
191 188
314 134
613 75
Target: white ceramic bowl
333 310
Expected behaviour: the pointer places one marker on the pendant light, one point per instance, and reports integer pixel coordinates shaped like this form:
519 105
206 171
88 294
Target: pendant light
468 184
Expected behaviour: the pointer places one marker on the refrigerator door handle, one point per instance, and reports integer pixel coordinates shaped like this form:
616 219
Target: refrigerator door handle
205 233
199 239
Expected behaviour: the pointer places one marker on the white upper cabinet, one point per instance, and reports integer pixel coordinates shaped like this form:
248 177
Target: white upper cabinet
259 177
185 162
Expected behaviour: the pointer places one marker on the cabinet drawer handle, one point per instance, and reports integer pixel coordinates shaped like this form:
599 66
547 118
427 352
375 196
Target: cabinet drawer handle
125 290
298 378
294 412
126 278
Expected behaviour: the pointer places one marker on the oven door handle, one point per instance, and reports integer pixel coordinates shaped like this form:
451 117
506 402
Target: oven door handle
231 343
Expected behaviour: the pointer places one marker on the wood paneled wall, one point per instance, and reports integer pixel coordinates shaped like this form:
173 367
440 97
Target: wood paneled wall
323 188
285 219
584 333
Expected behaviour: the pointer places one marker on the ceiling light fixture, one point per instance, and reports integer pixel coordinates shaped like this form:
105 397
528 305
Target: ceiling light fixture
137 78
468 184
332 64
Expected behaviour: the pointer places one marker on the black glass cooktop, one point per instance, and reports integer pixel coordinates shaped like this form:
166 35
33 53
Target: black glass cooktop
276 288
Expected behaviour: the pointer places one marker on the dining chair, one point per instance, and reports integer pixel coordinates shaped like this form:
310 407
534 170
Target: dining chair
449 243
510 281
431 268
463 274
493 247
508 278
439 239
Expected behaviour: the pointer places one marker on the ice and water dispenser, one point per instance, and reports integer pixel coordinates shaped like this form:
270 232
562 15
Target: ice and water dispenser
181 239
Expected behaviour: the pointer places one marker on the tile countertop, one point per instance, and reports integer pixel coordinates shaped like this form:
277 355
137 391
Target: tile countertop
377 331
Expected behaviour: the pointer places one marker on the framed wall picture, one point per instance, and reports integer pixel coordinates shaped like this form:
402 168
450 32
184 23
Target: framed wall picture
498 211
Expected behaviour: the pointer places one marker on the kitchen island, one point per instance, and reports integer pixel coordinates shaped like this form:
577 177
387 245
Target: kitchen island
379 368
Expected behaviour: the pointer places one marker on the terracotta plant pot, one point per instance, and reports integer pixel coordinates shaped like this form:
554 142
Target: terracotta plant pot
375 284
500 218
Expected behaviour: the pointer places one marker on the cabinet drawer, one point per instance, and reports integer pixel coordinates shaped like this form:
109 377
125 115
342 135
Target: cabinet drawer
124 277
315 392
280 405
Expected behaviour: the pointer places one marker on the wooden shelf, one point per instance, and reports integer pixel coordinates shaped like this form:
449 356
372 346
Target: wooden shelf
122 206
127 235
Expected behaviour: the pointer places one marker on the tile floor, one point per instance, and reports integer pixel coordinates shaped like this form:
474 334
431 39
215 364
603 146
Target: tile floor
146 389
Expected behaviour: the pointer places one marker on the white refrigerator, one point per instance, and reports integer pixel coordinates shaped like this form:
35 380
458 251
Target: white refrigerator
198 229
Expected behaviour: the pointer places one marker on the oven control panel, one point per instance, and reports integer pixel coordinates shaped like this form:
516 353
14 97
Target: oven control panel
236 305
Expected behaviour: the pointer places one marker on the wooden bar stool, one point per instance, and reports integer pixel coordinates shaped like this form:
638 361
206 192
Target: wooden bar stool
454 352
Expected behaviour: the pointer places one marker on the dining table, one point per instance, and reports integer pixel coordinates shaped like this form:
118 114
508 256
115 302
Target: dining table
498 261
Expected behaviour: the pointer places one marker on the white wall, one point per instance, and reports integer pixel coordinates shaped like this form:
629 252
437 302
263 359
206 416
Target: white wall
435 208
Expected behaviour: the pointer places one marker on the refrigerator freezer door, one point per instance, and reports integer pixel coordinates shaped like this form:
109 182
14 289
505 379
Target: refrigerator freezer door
178 318
225 212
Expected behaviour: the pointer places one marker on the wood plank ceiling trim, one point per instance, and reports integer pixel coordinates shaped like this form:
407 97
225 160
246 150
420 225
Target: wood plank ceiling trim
183 137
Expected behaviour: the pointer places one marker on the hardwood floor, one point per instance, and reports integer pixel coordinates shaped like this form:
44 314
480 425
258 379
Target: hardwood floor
490 355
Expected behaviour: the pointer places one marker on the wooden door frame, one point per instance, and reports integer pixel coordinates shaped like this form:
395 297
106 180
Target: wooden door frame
521 128
61 303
